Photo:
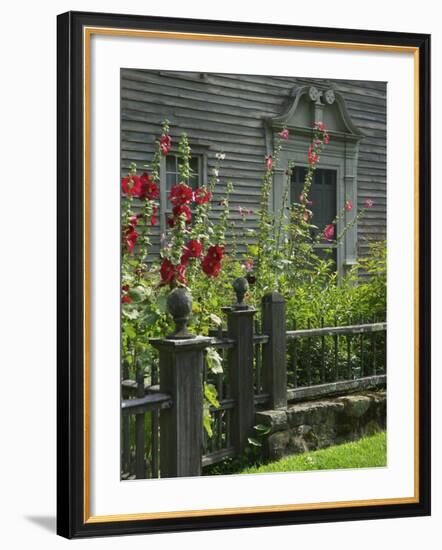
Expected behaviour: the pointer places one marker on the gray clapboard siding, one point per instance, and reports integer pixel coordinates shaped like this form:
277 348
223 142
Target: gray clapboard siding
225 112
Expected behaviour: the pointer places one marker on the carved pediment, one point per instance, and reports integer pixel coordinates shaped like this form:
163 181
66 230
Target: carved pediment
310 104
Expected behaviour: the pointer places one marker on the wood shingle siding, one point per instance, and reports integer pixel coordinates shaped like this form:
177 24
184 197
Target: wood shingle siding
225 112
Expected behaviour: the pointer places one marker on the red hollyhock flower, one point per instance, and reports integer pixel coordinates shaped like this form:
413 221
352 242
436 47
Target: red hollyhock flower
202 195
178 211
131 239
211 267
312 156
133 221
329 232
284 134
269 162
131 185
125 288
180 194
126 299
165 144
181 273
215 252
154 216
148 189
193 249
348 206
167 271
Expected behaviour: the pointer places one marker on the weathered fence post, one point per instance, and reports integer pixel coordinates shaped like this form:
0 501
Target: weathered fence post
240 329
181 371
274 368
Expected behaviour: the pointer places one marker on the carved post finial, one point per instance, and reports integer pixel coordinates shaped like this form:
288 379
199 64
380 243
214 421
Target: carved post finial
179 305
240 286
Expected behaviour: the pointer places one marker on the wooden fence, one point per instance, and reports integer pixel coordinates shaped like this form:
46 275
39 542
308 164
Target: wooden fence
265 366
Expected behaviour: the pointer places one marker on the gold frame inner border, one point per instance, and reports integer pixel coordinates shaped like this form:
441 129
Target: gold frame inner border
88 32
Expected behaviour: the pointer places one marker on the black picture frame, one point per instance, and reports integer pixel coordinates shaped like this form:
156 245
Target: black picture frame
71 519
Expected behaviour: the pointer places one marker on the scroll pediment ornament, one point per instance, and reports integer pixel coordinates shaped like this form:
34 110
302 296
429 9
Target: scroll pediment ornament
309 104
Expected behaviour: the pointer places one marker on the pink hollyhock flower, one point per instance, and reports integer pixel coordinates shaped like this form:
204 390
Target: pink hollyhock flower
248 265
165 144
180 194
284 134
326 137
329 232
312 156
269 162
369 203
202 195
307 215
348 206
320 126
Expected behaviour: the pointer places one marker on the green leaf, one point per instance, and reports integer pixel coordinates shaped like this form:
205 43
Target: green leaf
253 441
131 313
207 422
214 361
137 294
211 394
130 331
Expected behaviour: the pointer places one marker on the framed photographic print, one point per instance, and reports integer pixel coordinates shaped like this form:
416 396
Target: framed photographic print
243 219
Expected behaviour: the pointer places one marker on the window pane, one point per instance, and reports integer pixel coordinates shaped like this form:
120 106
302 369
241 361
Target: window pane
322 194
171 163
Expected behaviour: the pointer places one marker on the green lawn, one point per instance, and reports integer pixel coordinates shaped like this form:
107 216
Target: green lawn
368 452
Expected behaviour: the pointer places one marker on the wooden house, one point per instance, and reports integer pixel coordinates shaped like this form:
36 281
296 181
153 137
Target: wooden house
240 115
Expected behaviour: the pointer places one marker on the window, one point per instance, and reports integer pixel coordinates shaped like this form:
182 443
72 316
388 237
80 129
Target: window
335 179
323 196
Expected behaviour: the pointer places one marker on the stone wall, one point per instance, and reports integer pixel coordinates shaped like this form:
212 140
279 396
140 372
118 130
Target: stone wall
317 424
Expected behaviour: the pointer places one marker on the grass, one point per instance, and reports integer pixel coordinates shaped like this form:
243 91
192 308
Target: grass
369 452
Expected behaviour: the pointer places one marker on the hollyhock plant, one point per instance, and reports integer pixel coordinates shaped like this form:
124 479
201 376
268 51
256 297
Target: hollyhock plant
180 194
202 195
329 232
165 144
